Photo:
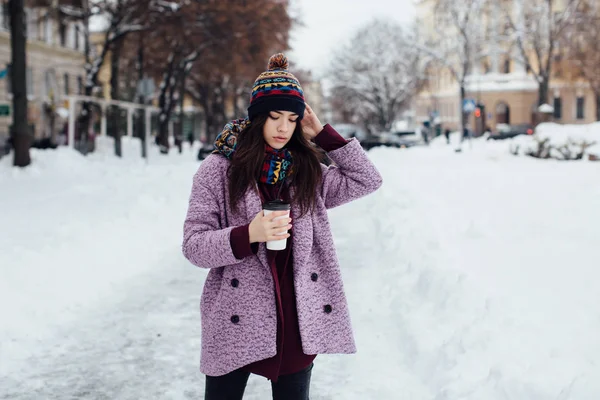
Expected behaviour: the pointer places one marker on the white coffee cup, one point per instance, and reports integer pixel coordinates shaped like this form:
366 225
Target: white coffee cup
268 208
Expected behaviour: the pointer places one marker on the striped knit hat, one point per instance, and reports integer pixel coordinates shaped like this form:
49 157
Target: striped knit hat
276 89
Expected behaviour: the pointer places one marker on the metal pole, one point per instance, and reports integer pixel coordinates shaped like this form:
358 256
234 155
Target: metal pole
71 137
129 122
103 121
148 114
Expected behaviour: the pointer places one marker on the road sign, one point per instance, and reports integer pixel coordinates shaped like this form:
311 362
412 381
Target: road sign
469 105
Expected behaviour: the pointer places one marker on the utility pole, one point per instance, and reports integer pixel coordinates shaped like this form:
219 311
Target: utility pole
20 136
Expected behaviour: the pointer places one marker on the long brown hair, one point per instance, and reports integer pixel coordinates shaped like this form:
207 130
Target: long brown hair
247 161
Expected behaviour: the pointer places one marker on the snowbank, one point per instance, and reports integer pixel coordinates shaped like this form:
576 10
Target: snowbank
571 136
560 140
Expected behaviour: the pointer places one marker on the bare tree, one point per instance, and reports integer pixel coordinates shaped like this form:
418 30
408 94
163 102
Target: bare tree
376 74
19 135
173 47
460 42
536 27
207 49
583 47
249 33
122 18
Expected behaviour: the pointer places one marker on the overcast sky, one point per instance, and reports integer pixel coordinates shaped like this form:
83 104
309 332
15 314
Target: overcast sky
330 23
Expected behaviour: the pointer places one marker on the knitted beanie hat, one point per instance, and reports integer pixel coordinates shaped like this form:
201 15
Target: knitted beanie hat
276 89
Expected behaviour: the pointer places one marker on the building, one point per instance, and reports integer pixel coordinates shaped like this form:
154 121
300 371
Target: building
506 90
55 68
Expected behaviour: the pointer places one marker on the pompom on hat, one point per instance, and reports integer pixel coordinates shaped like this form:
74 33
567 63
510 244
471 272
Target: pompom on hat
276 89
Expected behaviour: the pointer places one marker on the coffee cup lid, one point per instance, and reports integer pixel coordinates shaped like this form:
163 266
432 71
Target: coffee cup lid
276 205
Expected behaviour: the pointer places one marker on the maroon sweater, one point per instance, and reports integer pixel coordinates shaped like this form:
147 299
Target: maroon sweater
289 358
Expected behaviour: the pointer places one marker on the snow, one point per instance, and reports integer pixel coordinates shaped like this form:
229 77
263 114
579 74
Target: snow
99 23
496 82
469 276
562 135
172 6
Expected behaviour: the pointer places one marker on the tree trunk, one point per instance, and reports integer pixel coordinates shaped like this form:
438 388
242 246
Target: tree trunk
543 90
164 103
115 95
463 115
598 106
179 133
85 117
52 122
142 99
20 135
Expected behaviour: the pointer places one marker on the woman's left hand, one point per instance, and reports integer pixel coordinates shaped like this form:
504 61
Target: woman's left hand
311 126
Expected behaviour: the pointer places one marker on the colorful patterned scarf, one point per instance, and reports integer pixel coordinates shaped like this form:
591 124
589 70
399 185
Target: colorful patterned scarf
277 164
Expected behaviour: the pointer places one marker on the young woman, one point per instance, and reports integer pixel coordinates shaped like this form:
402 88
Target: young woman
271 312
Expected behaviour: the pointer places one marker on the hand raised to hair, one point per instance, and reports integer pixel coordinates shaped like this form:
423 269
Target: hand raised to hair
311 126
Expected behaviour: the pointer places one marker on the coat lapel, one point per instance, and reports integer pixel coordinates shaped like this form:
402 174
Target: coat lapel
253 207
302 234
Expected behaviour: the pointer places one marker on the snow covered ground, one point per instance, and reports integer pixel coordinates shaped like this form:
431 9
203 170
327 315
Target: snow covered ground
470 276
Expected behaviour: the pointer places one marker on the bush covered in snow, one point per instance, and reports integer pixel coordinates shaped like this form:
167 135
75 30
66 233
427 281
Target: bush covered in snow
560 142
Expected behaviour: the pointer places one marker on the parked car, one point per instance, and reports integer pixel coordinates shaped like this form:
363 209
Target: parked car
510 131
389 139
349 131
205 150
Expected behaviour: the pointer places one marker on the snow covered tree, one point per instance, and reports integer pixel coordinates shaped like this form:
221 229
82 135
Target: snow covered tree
375 75
536 27
19 135
459 42
583 46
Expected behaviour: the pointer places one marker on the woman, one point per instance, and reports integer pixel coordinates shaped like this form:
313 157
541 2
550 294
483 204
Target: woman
271 312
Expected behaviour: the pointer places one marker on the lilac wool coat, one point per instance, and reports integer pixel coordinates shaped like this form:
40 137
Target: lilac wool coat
238 304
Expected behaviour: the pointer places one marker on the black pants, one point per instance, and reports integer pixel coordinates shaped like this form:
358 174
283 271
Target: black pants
232 386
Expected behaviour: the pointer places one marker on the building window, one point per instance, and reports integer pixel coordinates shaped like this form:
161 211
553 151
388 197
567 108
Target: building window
77 37
32 24
502 113
507 66
4 17
62 31
48 34
580 108
66 77
557 108
486 67
79 85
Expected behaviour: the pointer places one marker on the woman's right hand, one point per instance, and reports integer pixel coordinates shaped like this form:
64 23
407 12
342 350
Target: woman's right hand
265 229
